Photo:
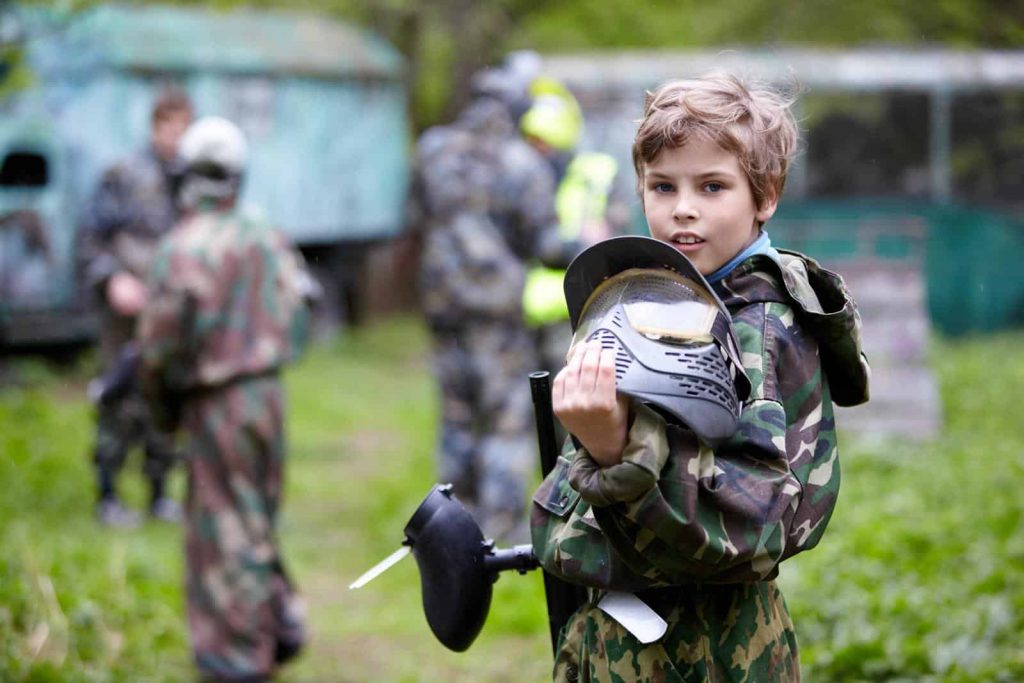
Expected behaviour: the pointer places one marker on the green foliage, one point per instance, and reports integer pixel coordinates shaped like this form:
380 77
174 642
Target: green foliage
362 427
77 603
447 40
581 25
919 577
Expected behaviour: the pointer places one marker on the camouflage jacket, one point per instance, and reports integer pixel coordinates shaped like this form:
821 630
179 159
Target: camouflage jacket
226 302
674 511
484 200
133 207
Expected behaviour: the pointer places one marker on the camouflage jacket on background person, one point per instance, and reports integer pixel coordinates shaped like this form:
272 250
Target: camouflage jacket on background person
485 202
226 303
131 209
677 513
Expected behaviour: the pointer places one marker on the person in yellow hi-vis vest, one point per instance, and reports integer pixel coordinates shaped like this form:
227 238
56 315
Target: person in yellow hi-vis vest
588 205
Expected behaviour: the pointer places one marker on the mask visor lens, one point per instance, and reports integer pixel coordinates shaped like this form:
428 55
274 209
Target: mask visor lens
659 304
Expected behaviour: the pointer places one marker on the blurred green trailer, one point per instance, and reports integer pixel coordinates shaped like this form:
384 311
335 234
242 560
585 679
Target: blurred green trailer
909 156
322 102
971 257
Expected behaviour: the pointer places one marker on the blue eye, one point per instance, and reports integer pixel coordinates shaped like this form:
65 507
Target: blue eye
714 187
663 187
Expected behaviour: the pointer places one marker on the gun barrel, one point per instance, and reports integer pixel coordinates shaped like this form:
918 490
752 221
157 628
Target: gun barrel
540 388
563 598
519 557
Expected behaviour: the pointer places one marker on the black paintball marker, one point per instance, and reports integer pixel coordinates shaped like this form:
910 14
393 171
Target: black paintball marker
563 598
122 379
119 380
458 566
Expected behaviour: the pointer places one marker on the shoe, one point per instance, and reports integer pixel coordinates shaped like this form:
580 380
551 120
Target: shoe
287 650
110 512
166 510
292 636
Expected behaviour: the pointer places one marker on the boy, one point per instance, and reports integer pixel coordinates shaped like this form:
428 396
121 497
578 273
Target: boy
704 535
224 317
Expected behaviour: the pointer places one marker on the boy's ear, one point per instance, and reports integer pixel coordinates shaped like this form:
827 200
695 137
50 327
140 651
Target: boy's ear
767 208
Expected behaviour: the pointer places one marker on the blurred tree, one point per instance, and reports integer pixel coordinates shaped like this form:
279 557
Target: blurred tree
14 75
445 41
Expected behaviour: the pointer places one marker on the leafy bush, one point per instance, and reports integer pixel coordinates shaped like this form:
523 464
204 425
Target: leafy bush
919 576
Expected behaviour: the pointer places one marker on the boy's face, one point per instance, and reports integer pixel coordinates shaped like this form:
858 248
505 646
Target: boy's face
697 198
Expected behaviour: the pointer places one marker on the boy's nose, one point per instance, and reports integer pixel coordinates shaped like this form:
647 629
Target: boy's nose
684 209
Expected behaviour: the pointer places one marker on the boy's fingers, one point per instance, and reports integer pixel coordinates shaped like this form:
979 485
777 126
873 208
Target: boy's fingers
571 372
558 387
573 350
604 383
606 372
590 361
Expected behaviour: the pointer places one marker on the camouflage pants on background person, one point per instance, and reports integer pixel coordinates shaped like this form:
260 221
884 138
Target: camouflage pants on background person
242 609
726 633
124 424
487 442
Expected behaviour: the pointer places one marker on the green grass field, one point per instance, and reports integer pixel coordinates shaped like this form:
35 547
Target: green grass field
919 578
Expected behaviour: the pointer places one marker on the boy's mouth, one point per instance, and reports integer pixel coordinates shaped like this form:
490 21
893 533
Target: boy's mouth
687 242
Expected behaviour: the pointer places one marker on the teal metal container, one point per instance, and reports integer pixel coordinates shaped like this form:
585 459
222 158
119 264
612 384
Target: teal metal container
970 256
322 103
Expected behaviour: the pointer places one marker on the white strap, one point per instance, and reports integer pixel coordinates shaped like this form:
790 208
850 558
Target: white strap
635 615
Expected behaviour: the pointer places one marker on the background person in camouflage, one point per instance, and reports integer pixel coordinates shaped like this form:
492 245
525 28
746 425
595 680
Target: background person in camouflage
484 200
699 533
226 312
131 209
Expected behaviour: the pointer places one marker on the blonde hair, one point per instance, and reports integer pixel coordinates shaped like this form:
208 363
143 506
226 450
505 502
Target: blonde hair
751 121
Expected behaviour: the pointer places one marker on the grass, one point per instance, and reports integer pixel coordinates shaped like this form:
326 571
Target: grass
919 578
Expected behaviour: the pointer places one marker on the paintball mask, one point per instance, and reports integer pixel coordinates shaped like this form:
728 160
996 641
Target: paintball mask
214 153
675 347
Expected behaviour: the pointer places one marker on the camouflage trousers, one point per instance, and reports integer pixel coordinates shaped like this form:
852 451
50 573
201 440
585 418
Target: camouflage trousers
722 634
487 440
241 604
122 425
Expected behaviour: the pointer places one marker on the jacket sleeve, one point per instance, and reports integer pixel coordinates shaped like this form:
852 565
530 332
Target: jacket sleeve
299 292
164 331
735 513
108 210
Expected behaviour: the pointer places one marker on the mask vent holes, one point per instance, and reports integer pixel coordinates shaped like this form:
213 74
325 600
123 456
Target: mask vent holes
622 358
697 387
707 364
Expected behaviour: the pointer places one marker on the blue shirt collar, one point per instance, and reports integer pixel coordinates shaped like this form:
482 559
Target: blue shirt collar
762 245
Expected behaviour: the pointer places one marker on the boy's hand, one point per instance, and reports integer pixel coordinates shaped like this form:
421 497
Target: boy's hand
586 403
